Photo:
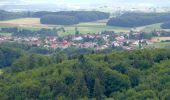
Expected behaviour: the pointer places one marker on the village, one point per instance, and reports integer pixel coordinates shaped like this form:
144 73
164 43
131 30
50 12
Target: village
98 41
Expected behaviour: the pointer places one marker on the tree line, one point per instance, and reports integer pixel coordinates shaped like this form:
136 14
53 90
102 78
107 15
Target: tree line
59 18
138 19
119 75
75 17
27 32
5 15
70 17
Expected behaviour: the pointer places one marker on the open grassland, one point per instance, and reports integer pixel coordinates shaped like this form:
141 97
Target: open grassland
93 27
149 28
157 42
90 27
5 34
160 45
22 21
1 72
28 23
159 39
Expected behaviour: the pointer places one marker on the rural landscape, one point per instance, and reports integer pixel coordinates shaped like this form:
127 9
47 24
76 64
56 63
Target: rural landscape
85 27
84 50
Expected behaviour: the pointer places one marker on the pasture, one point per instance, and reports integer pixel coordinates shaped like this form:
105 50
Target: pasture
160 39
84 28
152 27
1 72
149 28
5 34
157 42
22 21
92 27
160 45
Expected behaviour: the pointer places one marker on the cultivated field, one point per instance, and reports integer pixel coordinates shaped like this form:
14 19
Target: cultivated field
160 39
5 34
149 28
23 22
90 27
157 42
160 45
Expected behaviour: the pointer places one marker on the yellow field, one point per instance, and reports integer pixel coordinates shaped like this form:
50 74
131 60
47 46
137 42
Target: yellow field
25 22
159 39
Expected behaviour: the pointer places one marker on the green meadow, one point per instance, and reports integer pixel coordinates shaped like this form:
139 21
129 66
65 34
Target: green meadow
84 28
160 45
5 34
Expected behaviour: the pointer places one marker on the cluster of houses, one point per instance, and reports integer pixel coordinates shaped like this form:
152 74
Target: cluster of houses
97 41
4 38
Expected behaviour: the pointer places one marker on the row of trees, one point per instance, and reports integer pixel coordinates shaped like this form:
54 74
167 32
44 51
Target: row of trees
4 15
74 17
59 18
70 17
138 19
120 75
27 32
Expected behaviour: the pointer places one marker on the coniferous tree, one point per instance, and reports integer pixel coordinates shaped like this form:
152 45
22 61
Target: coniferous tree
98 90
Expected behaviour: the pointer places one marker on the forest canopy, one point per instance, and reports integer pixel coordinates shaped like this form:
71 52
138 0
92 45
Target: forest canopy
70 17
58 20
4 15
138 19
119 75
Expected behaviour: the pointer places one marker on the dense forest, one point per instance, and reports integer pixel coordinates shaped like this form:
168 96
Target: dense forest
70 17
4 15
59 18
119 75
138 19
